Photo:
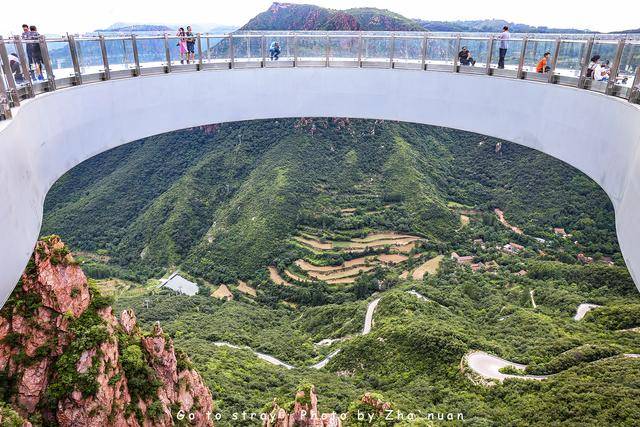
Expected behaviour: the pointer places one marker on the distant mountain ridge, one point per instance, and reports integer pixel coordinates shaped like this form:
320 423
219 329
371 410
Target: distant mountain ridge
289 16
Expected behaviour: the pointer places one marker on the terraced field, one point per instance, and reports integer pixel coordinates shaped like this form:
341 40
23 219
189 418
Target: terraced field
390 249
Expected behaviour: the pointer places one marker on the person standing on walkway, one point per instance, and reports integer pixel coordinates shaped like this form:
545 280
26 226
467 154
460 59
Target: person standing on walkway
182 44
504 45
33 50
191 45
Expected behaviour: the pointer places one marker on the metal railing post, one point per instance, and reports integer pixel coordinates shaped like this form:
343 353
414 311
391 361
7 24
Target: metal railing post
490 44
615 67
263 50
46 59
231 53
584 63
136 56
105 59
24 66
554 63
360 41
392 50
73 49
295 51
423 62
523 51
634 93
167 53
12 89
327 50
208 49
455 55
5 106
199 52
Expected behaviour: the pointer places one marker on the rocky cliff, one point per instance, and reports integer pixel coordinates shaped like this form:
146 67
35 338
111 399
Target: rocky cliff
66 360
303 413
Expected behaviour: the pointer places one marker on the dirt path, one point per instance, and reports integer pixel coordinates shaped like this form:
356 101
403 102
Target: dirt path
533 302
505 223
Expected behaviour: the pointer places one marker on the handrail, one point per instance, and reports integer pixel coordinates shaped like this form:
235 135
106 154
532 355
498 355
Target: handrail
74 60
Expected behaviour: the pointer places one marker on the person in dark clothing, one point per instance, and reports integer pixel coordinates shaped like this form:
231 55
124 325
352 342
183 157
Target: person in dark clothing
34 52
465 57
274 50
191 45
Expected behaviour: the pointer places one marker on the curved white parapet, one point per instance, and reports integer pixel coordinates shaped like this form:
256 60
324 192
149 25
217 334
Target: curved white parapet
52 133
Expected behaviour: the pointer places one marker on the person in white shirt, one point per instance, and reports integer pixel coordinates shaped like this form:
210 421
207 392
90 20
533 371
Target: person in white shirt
504 45
601 72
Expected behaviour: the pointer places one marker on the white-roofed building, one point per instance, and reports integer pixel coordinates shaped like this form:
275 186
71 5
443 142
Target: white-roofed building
179 284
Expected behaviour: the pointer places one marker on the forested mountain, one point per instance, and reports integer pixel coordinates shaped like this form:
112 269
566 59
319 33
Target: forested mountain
288 16
247 187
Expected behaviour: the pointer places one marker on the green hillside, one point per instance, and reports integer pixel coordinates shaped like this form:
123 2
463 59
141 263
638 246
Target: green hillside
248 188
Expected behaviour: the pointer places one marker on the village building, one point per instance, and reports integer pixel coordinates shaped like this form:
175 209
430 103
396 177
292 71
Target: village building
179 284
512 248
479 242
558 231
521 273
462 260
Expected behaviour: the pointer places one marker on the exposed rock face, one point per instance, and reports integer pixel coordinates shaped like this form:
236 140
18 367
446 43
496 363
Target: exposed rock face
69 361
304 414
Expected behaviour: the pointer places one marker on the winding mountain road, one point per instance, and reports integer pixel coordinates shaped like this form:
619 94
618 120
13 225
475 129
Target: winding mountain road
583 309
488 366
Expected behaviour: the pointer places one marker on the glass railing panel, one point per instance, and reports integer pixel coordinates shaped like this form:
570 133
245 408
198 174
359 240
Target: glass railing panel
60 55
247 48
280 47
441 51
33 54
628 70
343 48
570 54
511 57
215 49
376 49
606 51
536 48
89 56
479 50
408 50
312 48
151 52
178 51
120 54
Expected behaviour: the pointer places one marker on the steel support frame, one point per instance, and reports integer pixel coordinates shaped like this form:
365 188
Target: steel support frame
552 69
12 89
615 68
73 50
105 58
24 66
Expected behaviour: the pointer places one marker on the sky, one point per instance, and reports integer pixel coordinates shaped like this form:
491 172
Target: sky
77 16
